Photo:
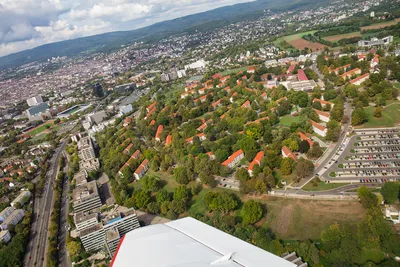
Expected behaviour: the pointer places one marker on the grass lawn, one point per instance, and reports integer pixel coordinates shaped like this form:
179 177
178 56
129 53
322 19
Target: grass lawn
335 38
227 72
287 120
397 85
40 128
390 117
296 219
373 254
39 137
279 177
321 186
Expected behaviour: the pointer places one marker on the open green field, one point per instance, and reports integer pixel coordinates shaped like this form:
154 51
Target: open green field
296 219
298 42
381 24
335 38
390 117
40 128
287 120
227 72
321 186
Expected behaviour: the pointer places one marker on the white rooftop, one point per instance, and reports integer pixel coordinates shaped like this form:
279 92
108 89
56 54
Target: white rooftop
188 242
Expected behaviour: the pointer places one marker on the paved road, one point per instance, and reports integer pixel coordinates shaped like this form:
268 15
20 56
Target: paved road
36 251
63 256
320 169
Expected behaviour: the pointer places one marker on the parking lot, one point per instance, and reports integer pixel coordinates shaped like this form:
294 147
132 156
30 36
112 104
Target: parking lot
370 156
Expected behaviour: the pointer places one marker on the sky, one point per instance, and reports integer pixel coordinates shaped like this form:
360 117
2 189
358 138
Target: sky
26 24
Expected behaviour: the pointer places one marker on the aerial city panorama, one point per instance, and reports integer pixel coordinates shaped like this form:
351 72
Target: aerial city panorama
200 133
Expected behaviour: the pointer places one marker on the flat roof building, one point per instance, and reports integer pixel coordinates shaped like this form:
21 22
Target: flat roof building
86 197
14 218
83 221
5 236
21 198
188 242
5 213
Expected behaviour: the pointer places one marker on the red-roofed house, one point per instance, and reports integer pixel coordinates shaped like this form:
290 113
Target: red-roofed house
128 149
153 105
306 138
201 137
203 126
217 76
202 99
224 79
227 89
280 99
291 69
319 129
216 103
323 116
159 132
264 96
128 120
323 102
246 104
360 79
301 76
287 153
150 113
350 73
168 140
233 159
257 160
136 154
233 95
142 169
345 67
152 122
210 155
374 61
251 69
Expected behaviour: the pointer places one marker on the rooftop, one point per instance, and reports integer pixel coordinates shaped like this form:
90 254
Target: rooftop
85 191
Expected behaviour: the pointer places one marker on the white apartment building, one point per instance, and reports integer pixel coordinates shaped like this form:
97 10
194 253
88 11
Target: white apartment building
14 218
83 221
86 197
5 213
5 236
21 198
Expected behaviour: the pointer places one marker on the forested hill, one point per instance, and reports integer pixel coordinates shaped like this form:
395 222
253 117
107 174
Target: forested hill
111 41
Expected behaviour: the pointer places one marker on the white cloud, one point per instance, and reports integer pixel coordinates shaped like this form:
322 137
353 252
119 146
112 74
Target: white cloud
26 24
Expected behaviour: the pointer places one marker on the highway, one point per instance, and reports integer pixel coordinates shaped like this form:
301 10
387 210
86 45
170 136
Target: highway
63 257
36 250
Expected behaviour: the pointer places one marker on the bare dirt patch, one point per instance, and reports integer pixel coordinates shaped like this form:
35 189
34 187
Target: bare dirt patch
381 25
300 44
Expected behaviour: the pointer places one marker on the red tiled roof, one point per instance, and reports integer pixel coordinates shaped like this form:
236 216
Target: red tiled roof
152 122
168 140
136 154
151 106
342 67
305 137
127 149
217 76
301 75
159 131
150 112
280 99
291 68
366 75
318 126
288 153
142 165
350 72
257 160
245 104
232 157
216 103
322 113
322 101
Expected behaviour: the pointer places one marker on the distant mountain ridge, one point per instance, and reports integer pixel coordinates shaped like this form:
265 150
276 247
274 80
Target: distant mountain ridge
112 41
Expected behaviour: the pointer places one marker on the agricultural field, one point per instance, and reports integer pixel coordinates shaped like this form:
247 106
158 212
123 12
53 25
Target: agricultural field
298 42
338 37
381 25
390 116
